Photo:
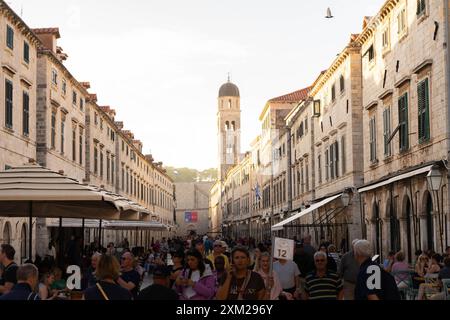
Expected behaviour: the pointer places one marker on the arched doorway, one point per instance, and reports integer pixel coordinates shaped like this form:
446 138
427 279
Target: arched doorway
429 221
394 223
23 242
7 233
409 221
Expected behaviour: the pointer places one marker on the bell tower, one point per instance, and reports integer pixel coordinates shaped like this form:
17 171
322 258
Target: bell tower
229 128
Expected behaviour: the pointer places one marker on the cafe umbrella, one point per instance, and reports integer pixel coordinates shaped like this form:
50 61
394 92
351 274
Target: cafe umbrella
36 192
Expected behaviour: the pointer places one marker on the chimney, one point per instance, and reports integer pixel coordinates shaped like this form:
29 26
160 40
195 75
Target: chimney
86 85
119 124
48 37
138 145
92 98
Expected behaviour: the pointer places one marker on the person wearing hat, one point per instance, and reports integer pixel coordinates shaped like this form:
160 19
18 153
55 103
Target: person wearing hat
160 289
218 252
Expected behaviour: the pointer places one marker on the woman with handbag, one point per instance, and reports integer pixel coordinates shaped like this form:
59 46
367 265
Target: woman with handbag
106 288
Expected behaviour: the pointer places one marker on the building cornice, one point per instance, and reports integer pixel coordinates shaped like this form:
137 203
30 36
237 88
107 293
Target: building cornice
369 30
52 57
352 47
9 13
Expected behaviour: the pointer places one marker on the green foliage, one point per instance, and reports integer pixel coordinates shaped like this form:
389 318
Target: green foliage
191 175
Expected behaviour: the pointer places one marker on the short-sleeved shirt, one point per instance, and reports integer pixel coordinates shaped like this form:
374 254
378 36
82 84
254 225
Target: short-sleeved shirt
112 291
134 277
20 292
157 292
255 285
323 288
287 273
9 274
388 289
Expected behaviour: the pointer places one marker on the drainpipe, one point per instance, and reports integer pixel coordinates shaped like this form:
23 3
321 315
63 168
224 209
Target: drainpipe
447 84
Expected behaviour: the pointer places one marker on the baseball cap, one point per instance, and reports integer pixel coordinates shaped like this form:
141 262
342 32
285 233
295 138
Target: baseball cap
218 243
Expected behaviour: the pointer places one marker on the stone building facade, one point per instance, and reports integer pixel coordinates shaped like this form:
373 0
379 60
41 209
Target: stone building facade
371 129
18 88
49 117
405 105
192 207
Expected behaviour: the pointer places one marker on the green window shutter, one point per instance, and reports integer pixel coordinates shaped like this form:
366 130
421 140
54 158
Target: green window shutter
420 107
405 102
427 135
403 121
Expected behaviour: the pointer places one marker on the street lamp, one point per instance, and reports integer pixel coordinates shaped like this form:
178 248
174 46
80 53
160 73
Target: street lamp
434 179
345 199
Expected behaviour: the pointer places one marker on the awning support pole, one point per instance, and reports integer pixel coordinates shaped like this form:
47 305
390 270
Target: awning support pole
30 232
61 243
82 235
100 234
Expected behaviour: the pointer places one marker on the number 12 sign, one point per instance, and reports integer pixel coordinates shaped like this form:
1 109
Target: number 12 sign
283 249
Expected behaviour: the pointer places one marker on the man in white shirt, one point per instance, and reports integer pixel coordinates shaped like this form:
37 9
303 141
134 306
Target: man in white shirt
288 273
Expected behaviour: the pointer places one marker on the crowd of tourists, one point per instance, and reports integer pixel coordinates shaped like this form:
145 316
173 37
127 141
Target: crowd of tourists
202 268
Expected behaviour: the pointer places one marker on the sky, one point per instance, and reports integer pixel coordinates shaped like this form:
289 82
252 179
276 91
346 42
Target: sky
160 63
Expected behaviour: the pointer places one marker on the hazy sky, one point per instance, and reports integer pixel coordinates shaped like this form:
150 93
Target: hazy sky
160 63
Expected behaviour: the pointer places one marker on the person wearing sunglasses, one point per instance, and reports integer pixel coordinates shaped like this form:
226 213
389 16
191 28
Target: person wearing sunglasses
218 252
323 284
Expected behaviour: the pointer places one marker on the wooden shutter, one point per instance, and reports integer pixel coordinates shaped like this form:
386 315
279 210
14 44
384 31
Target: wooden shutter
403 121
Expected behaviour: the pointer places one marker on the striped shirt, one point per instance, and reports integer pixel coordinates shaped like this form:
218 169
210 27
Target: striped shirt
323 288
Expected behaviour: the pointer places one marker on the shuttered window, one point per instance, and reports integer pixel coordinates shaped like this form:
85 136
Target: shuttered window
343 156
421 7
74 149
8 104
403 122
26 114
373 139
423 110
327 165
387 131
10 37
53 132
319 164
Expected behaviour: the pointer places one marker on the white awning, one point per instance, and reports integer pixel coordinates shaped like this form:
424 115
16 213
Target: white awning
397 178
119 225
315 206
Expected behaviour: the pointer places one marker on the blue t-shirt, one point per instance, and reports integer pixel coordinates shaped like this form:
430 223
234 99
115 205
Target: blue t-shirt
113 292
134 277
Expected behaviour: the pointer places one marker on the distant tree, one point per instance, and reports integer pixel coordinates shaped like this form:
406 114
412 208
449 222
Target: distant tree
191 175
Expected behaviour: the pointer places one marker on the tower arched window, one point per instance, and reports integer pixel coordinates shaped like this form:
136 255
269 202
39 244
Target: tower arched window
227 126
233 126
229 104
